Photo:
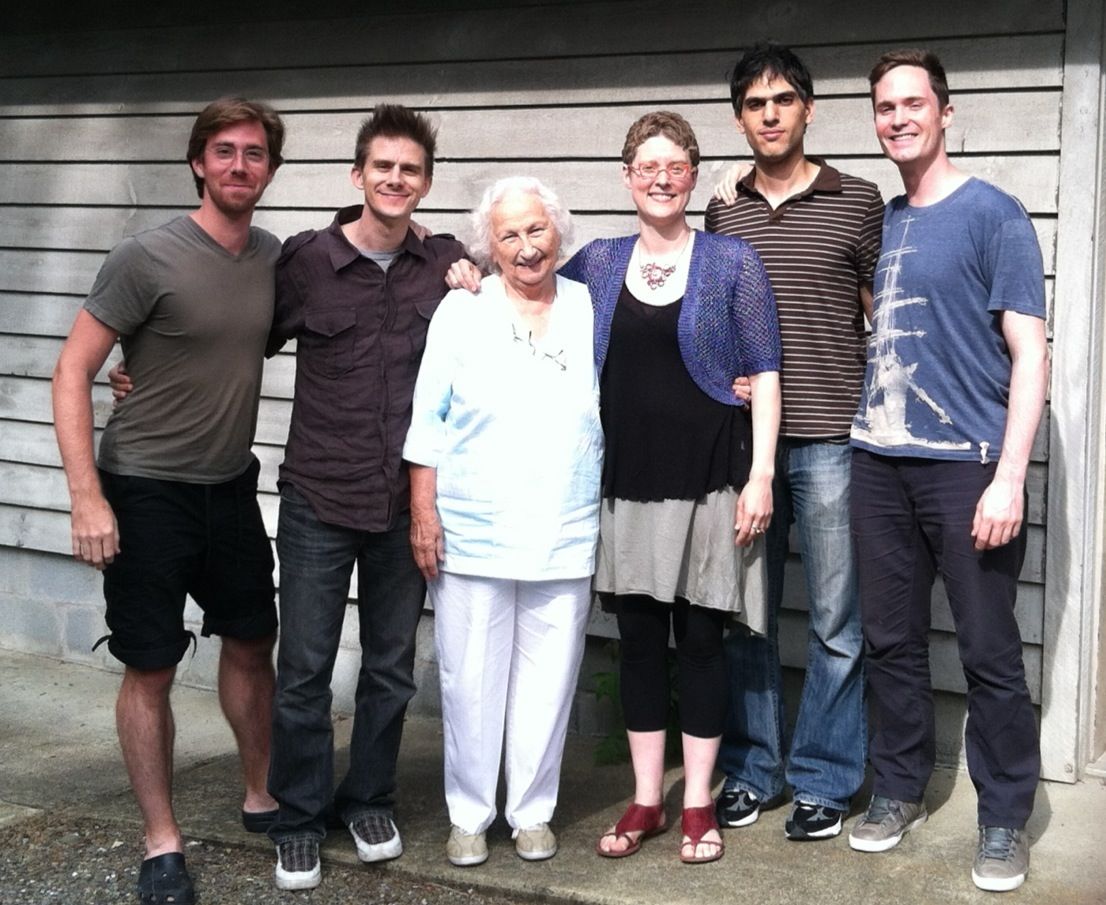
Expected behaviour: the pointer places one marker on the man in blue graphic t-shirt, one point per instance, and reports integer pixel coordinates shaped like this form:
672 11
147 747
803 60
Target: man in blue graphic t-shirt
953 392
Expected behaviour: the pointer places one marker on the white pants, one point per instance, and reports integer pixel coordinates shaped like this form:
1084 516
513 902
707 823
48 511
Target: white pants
509 654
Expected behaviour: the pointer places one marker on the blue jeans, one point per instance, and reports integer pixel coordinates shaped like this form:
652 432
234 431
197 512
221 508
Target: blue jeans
316 561
825 764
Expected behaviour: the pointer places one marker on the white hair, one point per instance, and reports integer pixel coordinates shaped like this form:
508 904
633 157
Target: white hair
481 245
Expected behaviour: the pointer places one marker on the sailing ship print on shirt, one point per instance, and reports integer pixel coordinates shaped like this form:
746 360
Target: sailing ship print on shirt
890 383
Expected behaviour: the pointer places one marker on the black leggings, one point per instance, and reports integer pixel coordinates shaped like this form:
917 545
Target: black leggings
643 624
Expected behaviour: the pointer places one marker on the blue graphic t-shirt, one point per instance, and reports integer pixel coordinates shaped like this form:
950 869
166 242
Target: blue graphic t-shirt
937 382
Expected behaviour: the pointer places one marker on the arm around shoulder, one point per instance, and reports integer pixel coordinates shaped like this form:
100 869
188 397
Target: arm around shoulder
287 301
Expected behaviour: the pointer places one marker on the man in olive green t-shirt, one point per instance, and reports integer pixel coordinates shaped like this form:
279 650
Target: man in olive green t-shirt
172 509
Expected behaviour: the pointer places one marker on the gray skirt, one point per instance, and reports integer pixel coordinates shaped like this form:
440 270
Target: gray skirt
683 548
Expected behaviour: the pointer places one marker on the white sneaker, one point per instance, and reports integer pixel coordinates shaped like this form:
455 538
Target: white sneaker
376 837
297 864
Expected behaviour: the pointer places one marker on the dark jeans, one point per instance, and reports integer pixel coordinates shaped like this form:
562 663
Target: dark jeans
316 561
912 518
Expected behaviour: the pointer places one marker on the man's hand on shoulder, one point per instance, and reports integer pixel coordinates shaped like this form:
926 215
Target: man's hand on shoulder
999 513
463 274
726 189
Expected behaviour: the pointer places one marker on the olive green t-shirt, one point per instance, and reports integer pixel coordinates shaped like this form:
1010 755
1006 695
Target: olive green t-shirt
193 320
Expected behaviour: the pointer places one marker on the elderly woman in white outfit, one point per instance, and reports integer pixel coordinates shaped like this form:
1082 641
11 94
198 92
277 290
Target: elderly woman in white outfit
505 451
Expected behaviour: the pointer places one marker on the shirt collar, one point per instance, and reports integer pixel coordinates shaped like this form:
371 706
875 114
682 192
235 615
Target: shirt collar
343 252
827 180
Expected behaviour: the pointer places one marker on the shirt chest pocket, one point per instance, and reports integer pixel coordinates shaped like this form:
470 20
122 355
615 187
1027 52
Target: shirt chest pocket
419 314
328 340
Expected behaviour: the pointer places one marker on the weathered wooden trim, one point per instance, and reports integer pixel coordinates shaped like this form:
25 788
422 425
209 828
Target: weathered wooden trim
98 229
1029 609
101 228
34 314
1025 121
493 34
944 656
1019 61
89 157
33 443
584 185
1074 590
35 529
28 399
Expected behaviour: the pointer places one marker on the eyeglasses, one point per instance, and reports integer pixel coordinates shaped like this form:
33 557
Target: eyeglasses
227 153
557 358
652 170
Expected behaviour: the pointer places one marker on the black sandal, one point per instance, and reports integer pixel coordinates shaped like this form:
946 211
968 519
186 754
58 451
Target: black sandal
164 880
259 821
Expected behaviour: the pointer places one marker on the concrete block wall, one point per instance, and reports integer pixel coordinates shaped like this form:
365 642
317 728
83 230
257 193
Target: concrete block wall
53 606
50 605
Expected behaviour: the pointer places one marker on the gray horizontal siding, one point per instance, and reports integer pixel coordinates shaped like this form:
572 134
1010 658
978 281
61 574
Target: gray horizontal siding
600 29
662 78
981 127
93 126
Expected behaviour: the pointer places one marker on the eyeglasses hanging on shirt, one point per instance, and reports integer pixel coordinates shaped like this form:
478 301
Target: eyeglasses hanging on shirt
558 358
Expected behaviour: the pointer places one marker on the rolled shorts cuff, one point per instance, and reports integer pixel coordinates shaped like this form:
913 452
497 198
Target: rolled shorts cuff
149 658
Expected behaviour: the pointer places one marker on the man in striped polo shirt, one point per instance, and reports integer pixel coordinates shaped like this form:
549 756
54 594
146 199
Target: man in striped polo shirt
818 232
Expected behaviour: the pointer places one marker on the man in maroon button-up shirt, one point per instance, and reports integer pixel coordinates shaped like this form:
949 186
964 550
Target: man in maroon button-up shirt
357 297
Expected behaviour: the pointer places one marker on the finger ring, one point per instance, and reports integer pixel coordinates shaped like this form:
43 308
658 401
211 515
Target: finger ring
757 530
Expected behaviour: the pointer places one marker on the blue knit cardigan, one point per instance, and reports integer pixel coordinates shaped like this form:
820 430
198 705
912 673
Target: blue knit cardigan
727 325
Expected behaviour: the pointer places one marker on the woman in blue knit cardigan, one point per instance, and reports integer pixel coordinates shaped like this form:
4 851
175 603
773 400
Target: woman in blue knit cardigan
687 478
687 473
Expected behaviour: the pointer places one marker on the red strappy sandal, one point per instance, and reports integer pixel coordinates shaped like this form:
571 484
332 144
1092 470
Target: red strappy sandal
697 822
648 820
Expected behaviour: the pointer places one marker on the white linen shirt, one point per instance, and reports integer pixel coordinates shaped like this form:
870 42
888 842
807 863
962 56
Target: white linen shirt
512 428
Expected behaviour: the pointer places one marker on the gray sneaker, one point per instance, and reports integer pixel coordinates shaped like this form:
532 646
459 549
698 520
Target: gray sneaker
1002 860
466 849
885 823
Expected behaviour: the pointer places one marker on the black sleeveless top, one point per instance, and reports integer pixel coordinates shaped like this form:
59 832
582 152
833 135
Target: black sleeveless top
665 438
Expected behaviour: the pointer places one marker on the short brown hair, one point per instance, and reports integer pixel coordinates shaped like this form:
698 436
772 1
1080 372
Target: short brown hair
661 122
228 111
396 121
923 59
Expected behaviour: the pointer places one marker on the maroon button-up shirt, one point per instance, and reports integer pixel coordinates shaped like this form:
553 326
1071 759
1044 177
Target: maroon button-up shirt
360 334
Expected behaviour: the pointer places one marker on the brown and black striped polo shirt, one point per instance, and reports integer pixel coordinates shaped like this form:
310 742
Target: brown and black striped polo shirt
818 247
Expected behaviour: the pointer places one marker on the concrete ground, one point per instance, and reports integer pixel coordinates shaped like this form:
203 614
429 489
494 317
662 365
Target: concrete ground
58 755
